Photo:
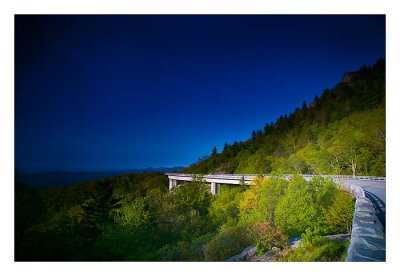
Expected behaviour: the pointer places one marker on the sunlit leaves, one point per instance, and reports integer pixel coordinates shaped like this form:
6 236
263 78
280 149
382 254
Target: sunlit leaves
295 211
339 215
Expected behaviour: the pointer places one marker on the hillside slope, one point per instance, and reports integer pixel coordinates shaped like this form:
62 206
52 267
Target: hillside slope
340 132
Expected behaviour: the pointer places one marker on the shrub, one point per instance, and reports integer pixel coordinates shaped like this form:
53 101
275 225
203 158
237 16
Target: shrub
296 211
224 207
266 236
132 214
228 242
318 250
340 214
260 201
193 250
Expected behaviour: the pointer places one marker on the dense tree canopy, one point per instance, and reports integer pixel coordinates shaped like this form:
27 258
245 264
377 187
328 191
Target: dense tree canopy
341 132
187 223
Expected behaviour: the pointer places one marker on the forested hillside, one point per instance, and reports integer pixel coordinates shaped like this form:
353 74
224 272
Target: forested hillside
135 218
340 132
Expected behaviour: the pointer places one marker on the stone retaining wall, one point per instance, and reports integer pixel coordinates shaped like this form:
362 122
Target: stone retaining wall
368 241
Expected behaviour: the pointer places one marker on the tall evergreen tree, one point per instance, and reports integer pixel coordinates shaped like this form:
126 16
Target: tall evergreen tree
97 210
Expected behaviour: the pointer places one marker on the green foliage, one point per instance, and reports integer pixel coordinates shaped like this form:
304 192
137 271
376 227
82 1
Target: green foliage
192 196
224 207
296 212
124 243
260 200
193 250
318 250
339 215
98 209
228 242
132 214
248 206
323 192
186 224
271 192
183 213
266 236
86 222
29 210
305 206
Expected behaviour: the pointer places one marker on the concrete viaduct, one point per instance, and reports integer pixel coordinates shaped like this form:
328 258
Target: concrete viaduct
216 180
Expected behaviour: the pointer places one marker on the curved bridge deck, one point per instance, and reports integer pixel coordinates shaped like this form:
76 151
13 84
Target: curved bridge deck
373 184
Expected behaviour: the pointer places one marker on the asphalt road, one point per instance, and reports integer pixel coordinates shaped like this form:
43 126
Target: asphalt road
377 188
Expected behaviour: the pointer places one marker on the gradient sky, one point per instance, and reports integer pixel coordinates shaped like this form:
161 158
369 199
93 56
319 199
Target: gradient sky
125 92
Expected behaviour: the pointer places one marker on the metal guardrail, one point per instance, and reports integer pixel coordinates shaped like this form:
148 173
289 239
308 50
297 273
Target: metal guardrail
363 177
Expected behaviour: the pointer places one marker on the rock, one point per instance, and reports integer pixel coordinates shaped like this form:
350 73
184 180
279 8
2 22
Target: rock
244 255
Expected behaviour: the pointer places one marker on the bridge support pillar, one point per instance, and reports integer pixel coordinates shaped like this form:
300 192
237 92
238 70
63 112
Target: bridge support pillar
172 183
215 188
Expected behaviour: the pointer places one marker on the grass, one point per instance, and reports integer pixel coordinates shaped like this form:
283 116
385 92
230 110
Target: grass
322 251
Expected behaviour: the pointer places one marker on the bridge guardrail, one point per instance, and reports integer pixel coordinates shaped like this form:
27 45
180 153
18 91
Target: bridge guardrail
252 176
356 191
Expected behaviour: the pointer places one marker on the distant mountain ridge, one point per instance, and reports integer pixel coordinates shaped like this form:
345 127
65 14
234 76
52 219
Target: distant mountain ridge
63 178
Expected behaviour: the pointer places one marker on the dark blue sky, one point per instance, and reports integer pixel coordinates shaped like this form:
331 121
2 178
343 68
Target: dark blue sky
122 92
